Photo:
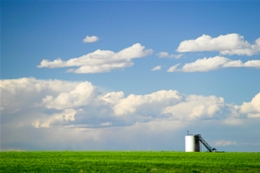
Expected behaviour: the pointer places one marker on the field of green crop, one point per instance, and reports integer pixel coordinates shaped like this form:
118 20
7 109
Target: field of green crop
68 161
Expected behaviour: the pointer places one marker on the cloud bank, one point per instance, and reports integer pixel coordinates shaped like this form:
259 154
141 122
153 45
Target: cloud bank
79 115
230 44
100 61
76 103
213 63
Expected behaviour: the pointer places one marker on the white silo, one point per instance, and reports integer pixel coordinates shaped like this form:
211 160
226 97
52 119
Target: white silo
192 143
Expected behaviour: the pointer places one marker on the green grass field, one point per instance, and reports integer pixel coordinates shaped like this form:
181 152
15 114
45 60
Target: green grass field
68 161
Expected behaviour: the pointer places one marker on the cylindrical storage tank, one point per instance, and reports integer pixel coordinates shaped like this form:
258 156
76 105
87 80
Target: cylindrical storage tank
192 143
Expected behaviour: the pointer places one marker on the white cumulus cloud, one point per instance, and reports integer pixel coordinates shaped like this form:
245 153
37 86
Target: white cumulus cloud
229 44
196 107
100 60
66 115
149 104
205 64
90 39
81 95
213 63
112 97
252 109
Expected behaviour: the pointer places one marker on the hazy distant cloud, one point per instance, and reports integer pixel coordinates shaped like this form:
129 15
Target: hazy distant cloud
90 39
213 63
230 44
85 118
173 68
167 55
157 68
225 143
100 61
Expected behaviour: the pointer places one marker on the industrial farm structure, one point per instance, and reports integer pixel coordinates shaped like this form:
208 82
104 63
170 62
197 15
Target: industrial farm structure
192 143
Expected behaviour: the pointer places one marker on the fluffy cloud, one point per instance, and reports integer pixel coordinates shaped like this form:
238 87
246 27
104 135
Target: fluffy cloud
205 64
64 116
213 63
81 95
157 68
196 107
77 115
167 55
230 44
90 39
112 97
147 105
252 109
100 60
25 93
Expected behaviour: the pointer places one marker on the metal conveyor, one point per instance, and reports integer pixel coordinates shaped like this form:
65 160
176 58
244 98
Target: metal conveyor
210 149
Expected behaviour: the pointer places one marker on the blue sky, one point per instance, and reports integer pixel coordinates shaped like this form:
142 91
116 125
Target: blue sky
148 69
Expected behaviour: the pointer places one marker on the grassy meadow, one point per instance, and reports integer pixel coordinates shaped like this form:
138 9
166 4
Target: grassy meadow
132 161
